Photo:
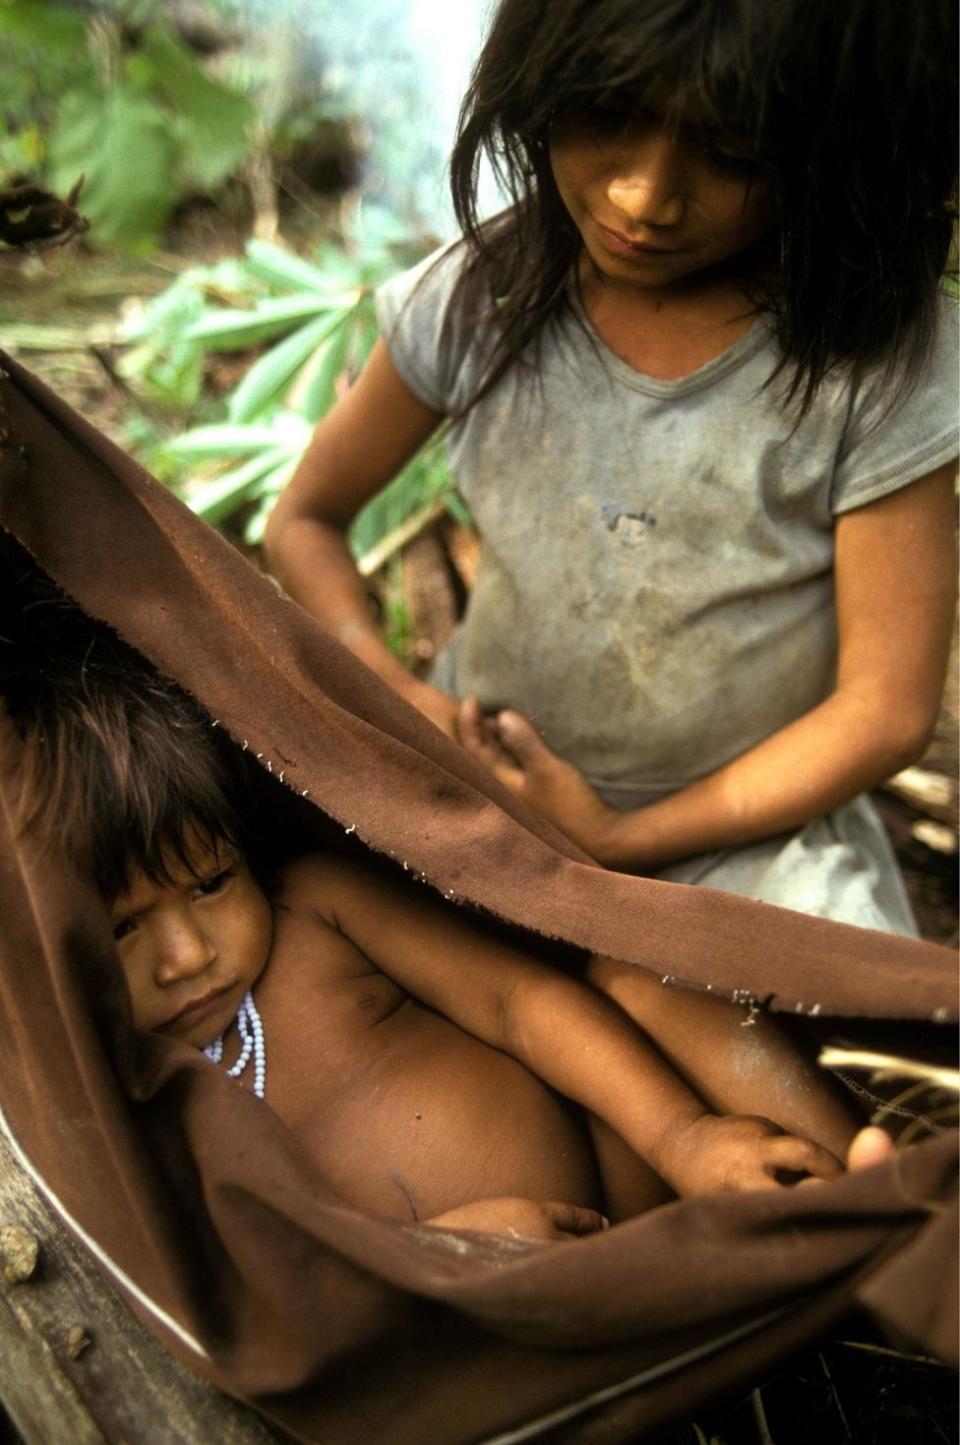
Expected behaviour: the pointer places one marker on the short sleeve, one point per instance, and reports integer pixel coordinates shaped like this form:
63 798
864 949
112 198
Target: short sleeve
432 343
882 452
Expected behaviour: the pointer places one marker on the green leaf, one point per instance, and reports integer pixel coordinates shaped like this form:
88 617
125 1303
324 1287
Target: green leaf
333 261
216 500
220 440
422 481
271 486
232 440
283 269
224 330
213 121
51 28
269 378
121 142
458 509
320 391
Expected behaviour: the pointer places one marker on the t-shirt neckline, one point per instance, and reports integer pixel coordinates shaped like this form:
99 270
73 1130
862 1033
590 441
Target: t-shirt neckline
756 336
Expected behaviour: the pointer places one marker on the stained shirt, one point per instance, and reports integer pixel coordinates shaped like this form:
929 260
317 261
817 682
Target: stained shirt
655 588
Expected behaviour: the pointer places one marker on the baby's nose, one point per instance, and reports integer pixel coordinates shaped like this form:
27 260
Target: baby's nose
648 185
186 951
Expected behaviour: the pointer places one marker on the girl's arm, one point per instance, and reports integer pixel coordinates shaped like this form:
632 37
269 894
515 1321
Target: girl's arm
364 441
895 589
569 1034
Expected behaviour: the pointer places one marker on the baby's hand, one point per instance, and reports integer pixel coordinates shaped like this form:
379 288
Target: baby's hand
523 1219
740 1151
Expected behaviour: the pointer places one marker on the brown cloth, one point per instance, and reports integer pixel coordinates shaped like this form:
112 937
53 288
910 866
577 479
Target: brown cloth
198 1203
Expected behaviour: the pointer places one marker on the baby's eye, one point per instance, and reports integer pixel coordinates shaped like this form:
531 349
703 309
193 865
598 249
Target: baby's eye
212 885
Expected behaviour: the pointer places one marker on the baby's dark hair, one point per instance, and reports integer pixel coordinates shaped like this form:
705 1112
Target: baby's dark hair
848 109
121 768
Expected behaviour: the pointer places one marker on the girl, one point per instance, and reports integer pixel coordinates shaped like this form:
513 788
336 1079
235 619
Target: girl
701 394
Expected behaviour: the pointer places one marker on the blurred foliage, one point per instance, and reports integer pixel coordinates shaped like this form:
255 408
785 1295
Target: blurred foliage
142 121
309 325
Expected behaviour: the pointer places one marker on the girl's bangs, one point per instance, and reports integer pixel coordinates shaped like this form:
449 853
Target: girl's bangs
692 62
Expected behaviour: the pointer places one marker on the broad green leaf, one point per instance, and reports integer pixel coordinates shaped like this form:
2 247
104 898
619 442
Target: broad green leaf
224 330
281 268
256 523
216 500
54 29
121 141
458 509
233 440
269 378
163 313
271 486
221 440
422 481
320 391
333 261
213 120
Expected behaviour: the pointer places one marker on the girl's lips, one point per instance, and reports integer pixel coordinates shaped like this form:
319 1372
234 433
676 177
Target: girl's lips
616 241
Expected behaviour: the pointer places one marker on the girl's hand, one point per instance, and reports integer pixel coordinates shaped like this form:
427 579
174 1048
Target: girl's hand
443 711
523 1219
513 750
738 1151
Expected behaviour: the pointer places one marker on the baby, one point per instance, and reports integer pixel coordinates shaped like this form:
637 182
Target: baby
433 1071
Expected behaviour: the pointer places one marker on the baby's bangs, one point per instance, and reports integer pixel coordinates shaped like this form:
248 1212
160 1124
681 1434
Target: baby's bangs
170 812
182 843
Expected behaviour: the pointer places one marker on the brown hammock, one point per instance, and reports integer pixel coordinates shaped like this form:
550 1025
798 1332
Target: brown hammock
339 1326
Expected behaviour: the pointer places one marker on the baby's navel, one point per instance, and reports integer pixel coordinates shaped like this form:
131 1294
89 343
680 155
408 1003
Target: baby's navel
396 1179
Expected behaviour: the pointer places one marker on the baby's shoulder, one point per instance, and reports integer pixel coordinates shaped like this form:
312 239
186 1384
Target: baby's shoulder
323 882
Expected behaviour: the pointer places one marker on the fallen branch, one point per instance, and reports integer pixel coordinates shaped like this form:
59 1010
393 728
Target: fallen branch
890 1066
416 523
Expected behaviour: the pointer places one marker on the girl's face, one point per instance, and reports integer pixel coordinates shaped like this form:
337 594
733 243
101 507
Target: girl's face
654 206
191 948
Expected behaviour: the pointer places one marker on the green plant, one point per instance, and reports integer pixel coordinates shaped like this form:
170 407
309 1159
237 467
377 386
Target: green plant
319 316
143 122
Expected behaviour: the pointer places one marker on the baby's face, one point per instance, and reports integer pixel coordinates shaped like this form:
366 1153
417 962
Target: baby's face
190 949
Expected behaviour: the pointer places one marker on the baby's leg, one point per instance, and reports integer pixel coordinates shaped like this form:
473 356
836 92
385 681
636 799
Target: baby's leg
737 1061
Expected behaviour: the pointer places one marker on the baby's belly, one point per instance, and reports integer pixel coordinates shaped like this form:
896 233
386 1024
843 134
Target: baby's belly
429 1118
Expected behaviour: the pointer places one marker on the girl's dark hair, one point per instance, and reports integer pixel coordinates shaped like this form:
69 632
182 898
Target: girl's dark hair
849 107
121 768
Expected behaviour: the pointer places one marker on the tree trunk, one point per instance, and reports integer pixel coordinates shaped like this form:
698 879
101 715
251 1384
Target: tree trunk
76 1367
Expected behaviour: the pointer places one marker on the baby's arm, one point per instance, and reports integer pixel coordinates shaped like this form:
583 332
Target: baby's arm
566 1032
362 443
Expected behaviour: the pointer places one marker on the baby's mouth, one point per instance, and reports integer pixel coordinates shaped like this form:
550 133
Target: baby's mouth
196 1010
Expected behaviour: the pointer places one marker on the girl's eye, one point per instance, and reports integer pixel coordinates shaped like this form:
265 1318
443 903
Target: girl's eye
213 885
730 162
122 929
611 117
598 119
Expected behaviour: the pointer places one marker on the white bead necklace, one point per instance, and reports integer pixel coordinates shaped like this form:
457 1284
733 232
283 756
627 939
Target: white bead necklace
250 1030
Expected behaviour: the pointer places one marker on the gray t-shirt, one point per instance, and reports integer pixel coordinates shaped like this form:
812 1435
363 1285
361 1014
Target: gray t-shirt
655 588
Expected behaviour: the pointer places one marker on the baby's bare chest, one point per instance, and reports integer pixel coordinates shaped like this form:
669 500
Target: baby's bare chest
360 1041
402 1110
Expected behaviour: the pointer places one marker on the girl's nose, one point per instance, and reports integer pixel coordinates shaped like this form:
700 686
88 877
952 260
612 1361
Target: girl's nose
647 187
186 951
